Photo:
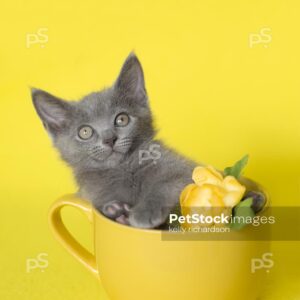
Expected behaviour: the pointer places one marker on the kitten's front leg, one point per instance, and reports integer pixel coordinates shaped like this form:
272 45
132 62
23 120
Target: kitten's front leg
152 211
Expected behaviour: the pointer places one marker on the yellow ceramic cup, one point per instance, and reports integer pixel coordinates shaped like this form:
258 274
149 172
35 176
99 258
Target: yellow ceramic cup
135 264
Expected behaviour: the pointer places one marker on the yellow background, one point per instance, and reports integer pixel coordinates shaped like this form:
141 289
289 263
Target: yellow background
215 98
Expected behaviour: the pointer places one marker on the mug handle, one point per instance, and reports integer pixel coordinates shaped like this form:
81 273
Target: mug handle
63 235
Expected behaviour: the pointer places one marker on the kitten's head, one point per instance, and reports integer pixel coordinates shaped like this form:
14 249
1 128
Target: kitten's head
104 127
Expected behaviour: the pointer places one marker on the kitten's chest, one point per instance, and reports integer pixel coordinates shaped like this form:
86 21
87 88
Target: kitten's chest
133 179
125 184
127 178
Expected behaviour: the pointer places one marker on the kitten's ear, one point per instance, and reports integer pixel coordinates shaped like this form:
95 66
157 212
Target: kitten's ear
53 111
131 79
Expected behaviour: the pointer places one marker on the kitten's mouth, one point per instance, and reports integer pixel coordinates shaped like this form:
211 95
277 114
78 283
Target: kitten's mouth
113 153
118 151
102 154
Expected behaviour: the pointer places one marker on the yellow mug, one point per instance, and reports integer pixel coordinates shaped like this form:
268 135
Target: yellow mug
135 264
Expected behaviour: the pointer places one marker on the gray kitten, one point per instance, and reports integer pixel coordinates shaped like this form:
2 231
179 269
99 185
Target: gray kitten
108 140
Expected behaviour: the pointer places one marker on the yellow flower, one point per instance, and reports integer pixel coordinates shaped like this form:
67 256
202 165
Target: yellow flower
211 194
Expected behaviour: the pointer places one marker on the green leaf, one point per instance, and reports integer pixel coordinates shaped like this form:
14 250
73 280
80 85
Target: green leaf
237 168
245 203
242 214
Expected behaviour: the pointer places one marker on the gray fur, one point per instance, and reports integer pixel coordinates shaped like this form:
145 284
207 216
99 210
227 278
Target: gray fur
106 174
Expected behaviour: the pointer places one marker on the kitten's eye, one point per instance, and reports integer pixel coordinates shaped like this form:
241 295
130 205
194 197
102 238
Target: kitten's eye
122 120
85 132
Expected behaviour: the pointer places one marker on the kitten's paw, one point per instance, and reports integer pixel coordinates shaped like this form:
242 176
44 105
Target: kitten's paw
145 217
116 210
123 219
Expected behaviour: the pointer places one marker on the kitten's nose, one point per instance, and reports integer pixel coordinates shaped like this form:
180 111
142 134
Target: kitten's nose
110 141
